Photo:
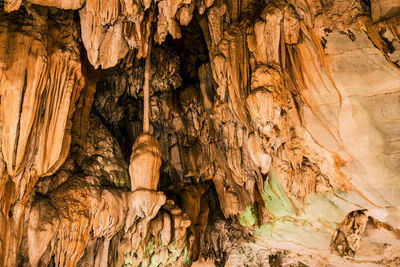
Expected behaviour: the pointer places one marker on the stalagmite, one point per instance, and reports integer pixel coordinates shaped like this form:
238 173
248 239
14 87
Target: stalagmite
145 162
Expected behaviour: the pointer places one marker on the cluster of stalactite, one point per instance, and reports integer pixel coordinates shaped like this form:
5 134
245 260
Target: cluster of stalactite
267 119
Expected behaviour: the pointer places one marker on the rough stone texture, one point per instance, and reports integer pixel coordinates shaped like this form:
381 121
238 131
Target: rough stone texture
273 138
40 82
384 9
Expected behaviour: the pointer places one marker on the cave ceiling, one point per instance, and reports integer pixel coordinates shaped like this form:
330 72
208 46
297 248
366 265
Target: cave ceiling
199 133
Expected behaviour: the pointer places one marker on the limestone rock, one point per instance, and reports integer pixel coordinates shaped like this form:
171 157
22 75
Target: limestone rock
70 4
40 83
104 45
43 225
166 22
103 157
272 133
381 9
347 238
145 163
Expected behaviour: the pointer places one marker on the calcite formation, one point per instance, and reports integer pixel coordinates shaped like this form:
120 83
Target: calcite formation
199 132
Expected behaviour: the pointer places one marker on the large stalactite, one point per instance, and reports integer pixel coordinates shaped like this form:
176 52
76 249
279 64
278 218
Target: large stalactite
273 135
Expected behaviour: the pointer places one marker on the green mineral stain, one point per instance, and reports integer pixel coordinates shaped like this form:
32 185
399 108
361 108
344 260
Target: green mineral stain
276 200
247 218
185 255
105 162
320 208
314 224
294 231
155 261
186 260
174 253
127 261
150 246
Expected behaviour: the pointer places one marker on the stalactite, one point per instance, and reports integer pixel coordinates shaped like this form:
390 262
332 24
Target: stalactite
178 133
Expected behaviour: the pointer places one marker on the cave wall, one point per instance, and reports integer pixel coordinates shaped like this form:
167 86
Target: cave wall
273 133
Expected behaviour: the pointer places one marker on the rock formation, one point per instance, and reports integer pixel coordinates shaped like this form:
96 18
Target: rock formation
268 134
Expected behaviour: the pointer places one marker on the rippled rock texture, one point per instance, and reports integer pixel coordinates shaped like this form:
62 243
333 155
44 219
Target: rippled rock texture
274 135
